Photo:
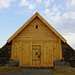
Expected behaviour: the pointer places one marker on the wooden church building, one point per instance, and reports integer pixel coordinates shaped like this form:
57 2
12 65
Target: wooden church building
36 43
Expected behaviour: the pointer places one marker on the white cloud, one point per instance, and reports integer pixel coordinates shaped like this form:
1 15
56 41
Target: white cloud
5 3
47 11
39 1
54 9
24 3
68 18
70 38
31 6
66 21
70 5
47 3
52 16
63 22
52 0
28 4
69 15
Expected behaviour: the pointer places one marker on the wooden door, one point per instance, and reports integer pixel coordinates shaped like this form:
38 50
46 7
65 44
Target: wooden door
36 55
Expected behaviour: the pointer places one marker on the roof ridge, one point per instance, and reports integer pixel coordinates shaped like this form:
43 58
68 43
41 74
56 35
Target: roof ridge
43 20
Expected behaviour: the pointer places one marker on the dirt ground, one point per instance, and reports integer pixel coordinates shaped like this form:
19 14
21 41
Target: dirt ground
26 71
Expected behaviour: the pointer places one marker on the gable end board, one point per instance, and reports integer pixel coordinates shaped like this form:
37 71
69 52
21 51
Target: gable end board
43 20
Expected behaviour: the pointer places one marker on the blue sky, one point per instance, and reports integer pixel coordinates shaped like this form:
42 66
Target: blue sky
59 13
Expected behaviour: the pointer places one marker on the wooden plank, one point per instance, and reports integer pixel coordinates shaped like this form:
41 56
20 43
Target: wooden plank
43 20
25 55
33 58
60 49
57 50
36 39
63 39
15 55
20 50
17 52
20 29
48 55
51 53
12 51
42 54
51 28
54 51
42 33
30 53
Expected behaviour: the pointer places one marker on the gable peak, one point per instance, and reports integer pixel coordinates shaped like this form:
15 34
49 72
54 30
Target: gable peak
43 20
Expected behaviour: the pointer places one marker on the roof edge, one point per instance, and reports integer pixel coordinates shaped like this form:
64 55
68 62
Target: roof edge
43 20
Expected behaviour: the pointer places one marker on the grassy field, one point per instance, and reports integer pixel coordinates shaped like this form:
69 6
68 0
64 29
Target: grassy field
57 71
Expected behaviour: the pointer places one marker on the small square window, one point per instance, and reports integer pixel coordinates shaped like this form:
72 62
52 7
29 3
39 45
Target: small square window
36 27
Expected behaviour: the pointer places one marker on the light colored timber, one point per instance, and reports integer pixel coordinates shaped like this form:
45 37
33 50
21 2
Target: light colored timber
42 54
36 47
43 20
60 49
30 53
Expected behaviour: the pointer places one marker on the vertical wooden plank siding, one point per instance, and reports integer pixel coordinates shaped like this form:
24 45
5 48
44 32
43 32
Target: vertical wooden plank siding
14 54
60 49
25 55
52 53
42 54
57 50
17 53
34 38
30 53
20 50
48 54
12 51
30 33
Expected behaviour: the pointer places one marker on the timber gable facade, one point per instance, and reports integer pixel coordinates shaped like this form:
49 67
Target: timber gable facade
36 43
